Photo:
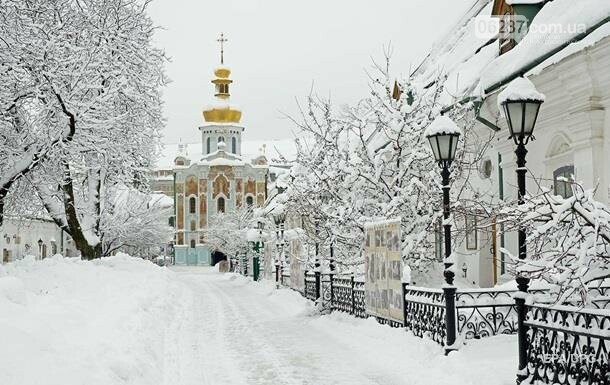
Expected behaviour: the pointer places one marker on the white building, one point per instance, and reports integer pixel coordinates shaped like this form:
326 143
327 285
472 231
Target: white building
37 237
565 52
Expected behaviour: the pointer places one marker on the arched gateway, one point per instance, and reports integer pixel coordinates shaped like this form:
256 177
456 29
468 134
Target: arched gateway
218 256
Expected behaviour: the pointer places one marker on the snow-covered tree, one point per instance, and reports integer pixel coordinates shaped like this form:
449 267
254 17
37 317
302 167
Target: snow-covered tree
228 232
568 240
371 161
134 219
87 78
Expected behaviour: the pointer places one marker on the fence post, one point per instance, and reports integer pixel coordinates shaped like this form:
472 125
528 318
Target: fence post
305 283
318 281
404 304
331 275
351 280
522 334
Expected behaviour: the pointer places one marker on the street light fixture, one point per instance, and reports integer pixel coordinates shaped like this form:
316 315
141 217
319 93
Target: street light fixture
259 244
40 242
443 135
279 218
521 104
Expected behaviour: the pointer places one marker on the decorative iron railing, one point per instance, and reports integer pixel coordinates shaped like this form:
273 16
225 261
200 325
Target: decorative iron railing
310 286
359 307
342 295
567 345
484 313
425 313
285 279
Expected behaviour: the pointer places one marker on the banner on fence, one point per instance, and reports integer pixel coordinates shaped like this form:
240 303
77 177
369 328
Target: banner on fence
383 263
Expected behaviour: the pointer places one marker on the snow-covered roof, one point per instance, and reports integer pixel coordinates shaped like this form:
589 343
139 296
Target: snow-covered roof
558 23
472 62
458 54
274 150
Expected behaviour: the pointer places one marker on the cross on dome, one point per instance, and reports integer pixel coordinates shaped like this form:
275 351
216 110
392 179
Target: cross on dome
222 40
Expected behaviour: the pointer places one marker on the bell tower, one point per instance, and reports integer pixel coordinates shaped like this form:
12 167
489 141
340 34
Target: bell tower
221 118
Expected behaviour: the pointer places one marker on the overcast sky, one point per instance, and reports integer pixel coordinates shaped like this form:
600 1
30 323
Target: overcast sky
278 49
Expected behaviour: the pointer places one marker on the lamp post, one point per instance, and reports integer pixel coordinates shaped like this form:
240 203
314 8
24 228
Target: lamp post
279 219
259 244
521 104
443 135
40 242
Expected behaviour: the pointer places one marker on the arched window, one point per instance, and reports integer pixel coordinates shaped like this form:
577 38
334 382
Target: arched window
192 205
220 205
221 139
207 146
192 243
249 200
193 225
234 145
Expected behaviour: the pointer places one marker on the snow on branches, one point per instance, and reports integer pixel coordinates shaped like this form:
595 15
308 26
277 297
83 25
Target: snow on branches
229 231
372 160
81 103
568 240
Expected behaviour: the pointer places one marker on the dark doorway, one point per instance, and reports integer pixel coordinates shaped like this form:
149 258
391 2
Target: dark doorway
217 256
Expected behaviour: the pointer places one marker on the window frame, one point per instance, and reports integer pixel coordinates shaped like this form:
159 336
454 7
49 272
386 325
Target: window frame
192 205
472 235
568 172
224 205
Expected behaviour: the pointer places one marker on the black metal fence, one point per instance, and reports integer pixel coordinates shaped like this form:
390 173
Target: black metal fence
347 295
424 310
310 286
567 345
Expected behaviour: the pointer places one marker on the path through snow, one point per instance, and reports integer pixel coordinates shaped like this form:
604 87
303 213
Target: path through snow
242 332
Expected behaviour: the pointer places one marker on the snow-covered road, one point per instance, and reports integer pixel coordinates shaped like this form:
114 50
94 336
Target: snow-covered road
234 331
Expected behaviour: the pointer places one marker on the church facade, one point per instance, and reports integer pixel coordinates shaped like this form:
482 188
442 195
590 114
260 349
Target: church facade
220 181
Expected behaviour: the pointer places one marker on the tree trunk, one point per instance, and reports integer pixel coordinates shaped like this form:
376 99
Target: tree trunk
88 252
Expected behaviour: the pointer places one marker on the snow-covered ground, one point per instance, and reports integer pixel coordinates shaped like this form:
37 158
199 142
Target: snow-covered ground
126 321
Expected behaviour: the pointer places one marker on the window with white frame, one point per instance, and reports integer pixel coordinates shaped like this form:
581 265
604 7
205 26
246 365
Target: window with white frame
471 232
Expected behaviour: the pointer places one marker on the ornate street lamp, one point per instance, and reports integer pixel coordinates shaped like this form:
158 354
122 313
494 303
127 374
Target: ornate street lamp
279 219
521 103
40 242
443 135
259 244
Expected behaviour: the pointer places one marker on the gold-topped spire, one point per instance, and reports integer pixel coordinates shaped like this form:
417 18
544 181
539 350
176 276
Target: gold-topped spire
221 111
222 40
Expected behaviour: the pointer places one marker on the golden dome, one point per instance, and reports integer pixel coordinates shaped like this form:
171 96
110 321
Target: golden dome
222 72
222 115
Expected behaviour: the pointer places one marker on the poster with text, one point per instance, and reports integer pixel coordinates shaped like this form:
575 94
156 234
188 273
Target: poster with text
383 266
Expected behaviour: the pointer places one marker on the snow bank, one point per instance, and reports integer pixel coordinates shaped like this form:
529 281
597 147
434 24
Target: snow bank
67 321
